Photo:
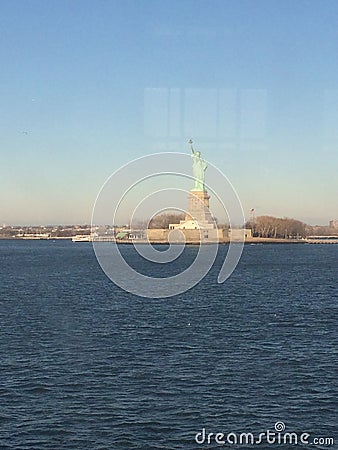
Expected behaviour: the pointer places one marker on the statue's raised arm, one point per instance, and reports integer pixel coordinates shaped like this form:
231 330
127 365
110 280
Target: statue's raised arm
192 148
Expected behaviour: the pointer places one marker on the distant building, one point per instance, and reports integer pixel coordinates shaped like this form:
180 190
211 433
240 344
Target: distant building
191 225
333 223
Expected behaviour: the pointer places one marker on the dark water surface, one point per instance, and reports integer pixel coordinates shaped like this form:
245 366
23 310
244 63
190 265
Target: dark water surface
85 365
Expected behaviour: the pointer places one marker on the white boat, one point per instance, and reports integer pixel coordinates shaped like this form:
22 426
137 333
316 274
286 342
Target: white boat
82 238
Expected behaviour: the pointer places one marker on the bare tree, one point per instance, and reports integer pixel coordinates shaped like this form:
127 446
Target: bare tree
163 220
277 227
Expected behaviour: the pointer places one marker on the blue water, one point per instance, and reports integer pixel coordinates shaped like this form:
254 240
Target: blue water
85 365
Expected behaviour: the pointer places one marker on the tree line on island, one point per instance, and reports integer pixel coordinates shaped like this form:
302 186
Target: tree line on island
163 220
277 227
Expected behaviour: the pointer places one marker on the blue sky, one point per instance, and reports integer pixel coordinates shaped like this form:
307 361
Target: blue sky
87 86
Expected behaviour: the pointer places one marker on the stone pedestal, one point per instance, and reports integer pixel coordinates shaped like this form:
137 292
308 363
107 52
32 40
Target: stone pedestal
198 207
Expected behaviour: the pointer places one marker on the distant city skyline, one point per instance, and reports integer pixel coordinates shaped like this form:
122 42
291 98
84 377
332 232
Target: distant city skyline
88 86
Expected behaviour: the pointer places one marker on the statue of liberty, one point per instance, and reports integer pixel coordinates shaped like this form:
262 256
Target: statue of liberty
198 167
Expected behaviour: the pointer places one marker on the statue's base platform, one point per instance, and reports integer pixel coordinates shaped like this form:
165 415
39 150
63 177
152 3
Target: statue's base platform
198 225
